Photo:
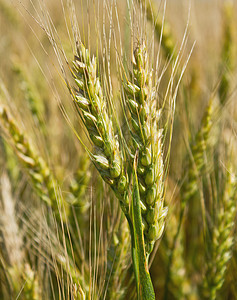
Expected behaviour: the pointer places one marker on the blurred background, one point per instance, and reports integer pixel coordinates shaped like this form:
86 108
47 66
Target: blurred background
33 253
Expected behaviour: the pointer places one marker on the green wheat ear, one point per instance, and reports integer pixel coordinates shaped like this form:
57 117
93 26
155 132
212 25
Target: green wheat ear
228 55
106 156
220 244
147 139
198 149
180 285
35 166
190 186
90 101
31 96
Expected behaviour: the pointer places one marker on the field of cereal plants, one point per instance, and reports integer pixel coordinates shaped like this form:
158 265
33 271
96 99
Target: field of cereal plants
117 149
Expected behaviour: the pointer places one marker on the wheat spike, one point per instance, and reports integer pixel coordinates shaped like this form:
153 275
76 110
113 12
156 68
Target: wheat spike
179 284
31 96
90 100
198 149
36 167
147 139
228 55
221 241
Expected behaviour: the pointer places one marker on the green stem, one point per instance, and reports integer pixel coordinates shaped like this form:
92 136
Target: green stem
145 290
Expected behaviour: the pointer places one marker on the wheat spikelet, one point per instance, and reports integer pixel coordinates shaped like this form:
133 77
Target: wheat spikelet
77 281
10 162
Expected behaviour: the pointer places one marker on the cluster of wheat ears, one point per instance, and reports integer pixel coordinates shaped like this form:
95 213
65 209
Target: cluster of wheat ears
156 219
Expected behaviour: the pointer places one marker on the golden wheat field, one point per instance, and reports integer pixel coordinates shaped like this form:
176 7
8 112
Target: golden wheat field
118 140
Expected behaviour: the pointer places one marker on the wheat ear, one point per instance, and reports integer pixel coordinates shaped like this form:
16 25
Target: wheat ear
180 285
147 139
36 167
228 55
190 186
90 100
198 149
31 96
221 241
